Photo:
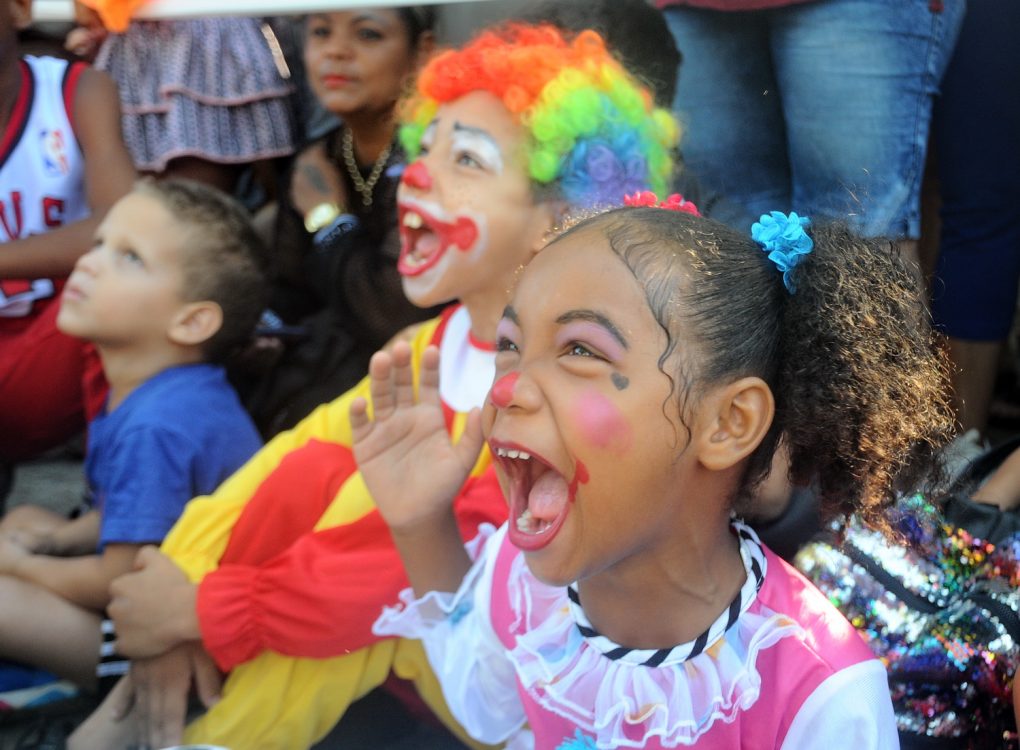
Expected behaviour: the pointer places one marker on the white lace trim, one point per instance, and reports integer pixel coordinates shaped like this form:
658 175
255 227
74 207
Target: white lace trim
413 618
621 704
676 702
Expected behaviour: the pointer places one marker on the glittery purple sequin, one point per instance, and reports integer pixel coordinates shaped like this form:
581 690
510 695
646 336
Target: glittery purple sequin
950 662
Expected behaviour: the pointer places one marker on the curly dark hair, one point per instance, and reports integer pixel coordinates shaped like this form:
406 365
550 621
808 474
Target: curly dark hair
224 260
860 381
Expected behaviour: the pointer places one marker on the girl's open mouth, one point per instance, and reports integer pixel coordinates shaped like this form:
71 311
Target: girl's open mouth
538 495
424 238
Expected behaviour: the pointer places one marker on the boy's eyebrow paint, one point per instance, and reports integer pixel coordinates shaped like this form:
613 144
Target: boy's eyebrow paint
480 132
597 318
510 314
430 129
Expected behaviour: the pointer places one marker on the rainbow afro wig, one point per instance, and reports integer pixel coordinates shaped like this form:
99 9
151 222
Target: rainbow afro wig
594 133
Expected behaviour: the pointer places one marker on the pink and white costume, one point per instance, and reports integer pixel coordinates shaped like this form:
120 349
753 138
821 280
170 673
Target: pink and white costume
781 668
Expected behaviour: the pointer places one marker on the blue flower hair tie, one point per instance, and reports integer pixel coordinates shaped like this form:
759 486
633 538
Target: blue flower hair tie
784 239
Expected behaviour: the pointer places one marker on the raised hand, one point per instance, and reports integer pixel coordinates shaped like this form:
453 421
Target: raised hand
404 452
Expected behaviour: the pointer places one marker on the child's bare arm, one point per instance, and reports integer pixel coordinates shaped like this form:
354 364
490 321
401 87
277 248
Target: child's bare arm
1002 488
30 525
84 581
109 175
411 468
44 532
77 537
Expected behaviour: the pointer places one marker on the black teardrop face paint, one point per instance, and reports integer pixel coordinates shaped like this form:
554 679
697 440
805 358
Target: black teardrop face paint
620 381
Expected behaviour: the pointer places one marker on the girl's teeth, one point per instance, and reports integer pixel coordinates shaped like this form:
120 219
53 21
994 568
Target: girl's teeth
528 525
413 220
506 453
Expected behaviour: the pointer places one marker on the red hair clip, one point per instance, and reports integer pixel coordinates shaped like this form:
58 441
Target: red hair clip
675 202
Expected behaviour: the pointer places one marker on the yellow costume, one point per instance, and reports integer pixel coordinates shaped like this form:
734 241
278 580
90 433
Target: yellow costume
278 553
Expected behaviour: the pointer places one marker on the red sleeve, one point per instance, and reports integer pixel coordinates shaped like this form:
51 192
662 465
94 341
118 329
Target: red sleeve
319 597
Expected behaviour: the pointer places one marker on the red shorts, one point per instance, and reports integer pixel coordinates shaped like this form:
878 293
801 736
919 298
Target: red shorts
51 384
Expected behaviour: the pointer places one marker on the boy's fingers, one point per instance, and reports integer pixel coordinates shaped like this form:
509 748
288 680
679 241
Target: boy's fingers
122 698
165 717
208 681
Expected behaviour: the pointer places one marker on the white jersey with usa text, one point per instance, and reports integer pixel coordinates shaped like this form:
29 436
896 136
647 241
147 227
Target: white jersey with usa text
42 170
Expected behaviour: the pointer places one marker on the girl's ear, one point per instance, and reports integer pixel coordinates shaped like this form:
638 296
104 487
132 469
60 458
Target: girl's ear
738 416
425 47
195 323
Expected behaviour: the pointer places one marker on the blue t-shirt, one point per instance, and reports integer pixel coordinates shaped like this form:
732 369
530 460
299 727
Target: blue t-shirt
176 436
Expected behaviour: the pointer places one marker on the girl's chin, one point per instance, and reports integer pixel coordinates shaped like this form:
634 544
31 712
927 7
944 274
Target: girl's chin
546 573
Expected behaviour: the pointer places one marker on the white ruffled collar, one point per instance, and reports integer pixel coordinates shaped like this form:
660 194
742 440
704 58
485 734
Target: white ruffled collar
609 691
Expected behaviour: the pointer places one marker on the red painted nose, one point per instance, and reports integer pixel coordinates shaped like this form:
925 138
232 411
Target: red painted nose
502 392
417 175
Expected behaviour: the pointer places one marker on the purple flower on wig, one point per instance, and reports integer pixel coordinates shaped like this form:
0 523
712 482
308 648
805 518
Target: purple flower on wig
602 164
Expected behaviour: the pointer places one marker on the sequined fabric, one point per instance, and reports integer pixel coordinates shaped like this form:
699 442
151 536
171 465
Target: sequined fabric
939 608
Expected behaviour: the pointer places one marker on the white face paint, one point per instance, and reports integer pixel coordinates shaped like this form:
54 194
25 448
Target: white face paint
468 219
475 145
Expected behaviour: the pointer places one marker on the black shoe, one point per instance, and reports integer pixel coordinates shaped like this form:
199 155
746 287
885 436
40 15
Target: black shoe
46 734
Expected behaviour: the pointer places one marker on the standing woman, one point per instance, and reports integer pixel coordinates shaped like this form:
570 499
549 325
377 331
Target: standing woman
336 243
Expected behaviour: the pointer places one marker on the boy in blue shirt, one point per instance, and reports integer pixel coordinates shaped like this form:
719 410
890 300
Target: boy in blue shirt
172 285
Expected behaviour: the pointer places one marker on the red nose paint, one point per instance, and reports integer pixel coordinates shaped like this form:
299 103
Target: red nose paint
417 175
580 477
502 392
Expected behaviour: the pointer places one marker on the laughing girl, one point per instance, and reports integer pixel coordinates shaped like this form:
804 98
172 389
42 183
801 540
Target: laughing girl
647 365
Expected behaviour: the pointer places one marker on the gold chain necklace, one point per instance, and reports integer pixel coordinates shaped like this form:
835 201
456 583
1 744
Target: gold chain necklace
362 185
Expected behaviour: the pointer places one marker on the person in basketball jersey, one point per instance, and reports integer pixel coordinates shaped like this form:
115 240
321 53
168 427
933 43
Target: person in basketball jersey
63 163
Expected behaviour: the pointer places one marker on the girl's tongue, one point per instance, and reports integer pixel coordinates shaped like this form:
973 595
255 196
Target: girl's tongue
548 497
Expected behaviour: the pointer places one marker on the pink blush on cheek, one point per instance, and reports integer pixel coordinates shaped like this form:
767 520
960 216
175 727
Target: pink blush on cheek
601 423
502 392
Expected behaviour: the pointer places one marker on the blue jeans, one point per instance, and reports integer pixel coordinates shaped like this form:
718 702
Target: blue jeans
822 107
977 143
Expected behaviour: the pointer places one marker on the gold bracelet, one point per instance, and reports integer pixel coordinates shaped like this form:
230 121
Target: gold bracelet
320 216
